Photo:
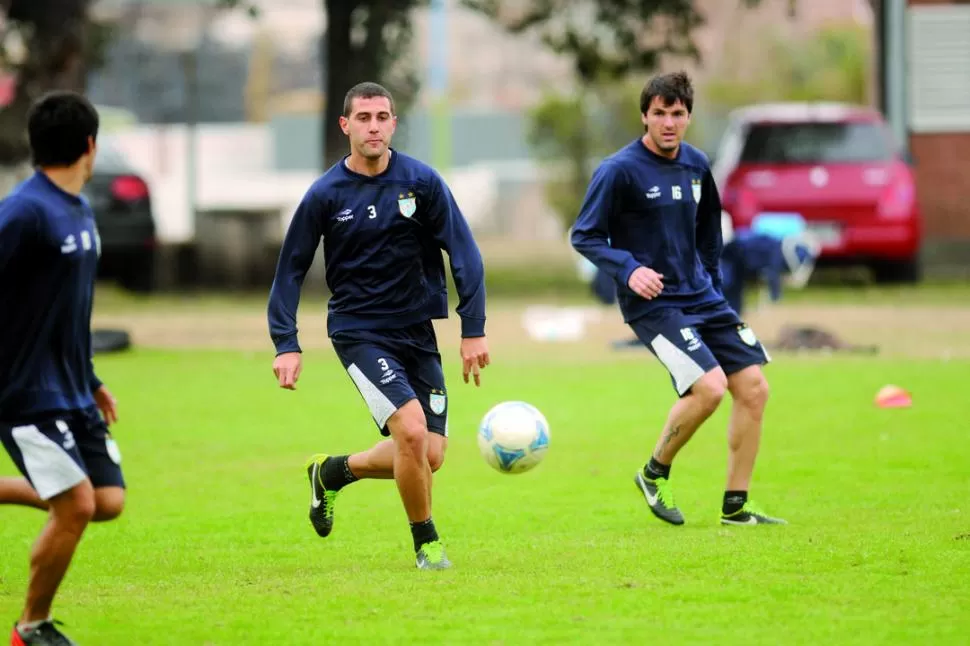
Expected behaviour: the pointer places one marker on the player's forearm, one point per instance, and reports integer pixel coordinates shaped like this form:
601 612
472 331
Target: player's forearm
468 270
296 256
618 263
284 300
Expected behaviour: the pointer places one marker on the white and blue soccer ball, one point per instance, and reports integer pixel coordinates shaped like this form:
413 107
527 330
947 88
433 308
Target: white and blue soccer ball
513 437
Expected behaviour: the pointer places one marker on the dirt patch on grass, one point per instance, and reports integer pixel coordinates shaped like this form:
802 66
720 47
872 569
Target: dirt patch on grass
918 331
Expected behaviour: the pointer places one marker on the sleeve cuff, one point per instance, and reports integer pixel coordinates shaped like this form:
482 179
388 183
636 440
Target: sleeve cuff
287 343
472 327
631 266
95 383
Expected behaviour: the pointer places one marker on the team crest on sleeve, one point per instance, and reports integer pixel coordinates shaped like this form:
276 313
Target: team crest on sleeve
695 187
408 204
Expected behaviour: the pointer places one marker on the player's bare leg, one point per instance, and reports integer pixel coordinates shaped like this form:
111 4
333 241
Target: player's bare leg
109 502
409 433
412 473
378 462
688 413
685 417
70 513
17 491
749 391
329 474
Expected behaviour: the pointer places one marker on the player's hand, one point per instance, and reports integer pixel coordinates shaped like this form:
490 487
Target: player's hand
287 368
106 404
646 283
474 357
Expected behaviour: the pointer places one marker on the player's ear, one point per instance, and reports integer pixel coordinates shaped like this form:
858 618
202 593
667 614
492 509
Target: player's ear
344 124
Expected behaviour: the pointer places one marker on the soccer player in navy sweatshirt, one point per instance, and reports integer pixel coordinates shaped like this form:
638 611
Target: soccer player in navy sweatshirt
384 219
53 409
651 219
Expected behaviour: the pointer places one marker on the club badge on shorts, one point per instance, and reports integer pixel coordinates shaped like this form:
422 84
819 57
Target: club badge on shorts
113 451
747 335
437 402
408 204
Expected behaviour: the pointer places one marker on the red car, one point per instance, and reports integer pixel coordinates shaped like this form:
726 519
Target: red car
834 165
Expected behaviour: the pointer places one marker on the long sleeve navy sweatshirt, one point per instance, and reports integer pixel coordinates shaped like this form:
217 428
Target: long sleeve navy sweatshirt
642 209
382 242
49 249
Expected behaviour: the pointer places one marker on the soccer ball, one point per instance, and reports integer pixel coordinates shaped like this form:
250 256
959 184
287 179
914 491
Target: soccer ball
513 437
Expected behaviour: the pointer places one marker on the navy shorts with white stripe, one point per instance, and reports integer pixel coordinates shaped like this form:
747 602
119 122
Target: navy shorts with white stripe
58 451
690 342
393 366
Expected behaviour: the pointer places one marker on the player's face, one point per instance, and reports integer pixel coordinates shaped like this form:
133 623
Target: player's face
370 126
666 124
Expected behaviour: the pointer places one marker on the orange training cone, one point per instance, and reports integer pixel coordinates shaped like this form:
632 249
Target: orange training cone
893 397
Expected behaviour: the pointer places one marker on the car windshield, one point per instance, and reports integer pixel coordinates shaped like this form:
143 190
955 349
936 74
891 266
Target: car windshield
816 143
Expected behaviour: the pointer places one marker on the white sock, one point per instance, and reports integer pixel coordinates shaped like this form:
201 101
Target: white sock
30 625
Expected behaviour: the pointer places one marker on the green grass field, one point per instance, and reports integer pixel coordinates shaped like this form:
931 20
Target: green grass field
215 547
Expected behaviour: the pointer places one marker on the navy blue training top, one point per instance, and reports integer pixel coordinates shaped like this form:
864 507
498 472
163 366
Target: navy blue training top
382 243
642 209
49 248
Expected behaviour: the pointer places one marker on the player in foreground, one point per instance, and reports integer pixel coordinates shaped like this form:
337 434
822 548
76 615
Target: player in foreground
384 218
53 409
651 219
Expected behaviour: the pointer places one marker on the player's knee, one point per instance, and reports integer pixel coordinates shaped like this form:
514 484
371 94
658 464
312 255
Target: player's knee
710 390
413 437
74 509
755 395
751 390
436 457
110 502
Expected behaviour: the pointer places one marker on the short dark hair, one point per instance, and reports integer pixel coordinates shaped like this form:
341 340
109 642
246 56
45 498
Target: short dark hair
671 88
59 125
366 90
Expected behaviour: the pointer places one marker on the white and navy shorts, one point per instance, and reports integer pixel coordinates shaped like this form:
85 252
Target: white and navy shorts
392 367
59 451
690 342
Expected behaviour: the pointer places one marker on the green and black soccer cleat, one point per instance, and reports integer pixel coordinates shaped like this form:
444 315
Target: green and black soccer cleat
431 556
321 500
750 514
660 498
44 634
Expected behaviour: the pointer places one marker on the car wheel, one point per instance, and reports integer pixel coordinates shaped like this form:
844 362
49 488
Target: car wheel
898 271
139 274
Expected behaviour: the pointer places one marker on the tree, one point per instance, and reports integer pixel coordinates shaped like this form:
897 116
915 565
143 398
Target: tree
608 41
567 131
831 65
46 44
366 40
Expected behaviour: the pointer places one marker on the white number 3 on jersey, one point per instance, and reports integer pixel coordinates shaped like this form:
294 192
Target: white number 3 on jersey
372 211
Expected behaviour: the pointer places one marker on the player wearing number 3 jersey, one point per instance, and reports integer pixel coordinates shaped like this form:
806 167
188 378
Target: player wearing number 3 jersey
384 219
